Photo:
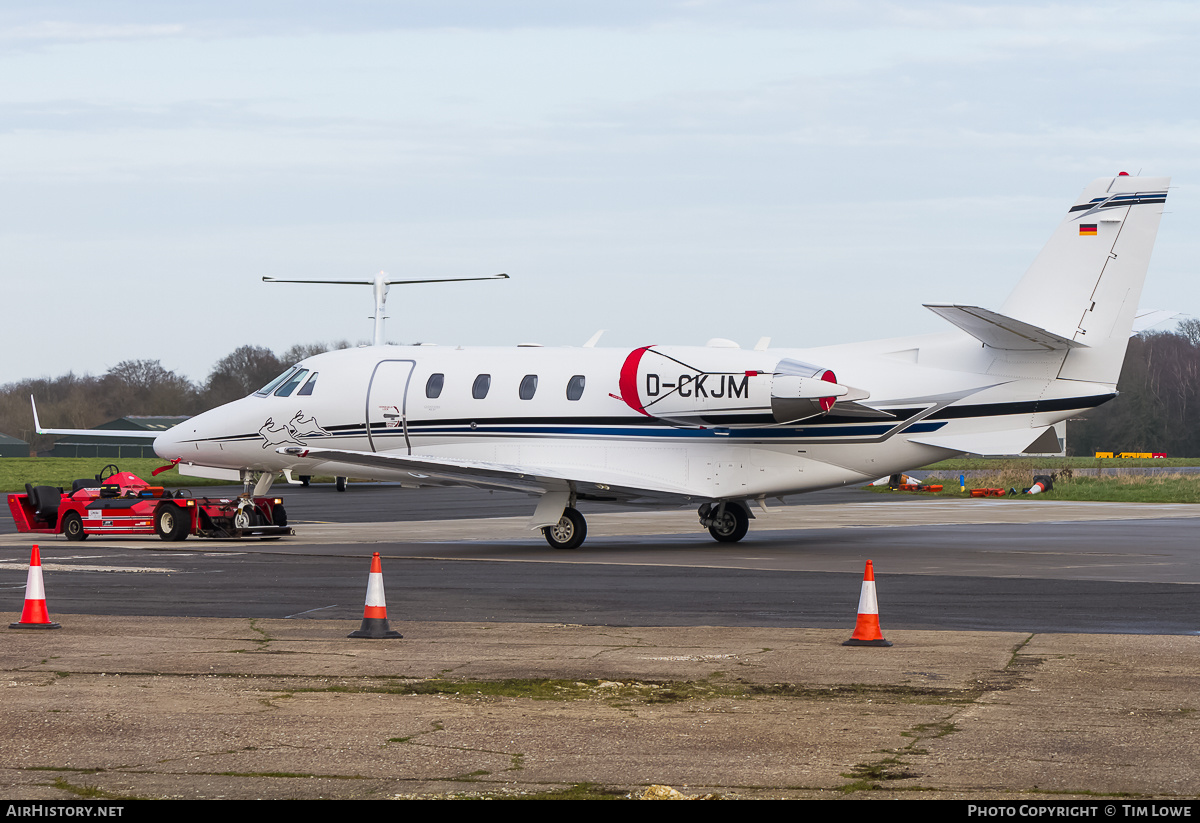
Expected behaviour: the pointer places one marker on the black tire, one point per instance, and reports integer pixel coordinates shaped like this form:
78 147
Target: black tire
279 516
569 532
305 479
171 523
340 483
731 525
72 527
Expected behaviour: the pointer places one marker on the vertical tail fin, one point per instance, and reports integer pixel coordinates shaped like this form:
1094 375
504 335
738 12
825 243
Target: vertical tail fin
1085 284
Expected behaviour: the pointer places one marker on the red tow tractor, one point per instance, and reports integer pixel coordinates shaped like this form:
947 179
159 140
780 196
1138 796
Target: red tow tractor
120 503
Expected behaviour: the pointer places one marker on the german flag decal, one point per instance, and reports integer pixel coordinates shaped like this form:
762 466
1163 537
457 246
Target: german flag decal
1087 229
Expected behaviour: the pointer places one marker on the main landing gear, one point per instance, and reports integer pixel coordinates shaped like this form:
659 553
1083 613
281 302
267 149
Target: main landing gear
569 532
727 522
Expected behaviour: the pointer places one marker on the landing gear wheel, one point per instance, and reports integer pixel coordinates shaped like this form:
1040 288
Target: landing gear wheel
731 525
245 517
170 523
305 479
72 526
569 532
340 483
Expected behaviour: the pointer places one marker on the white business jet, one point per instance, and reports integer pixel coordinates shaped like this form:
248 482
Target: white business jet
717 427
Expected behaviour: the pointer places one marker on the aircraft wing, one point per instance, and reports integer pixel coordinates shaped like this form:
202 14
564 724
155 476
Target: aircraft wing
123 433
588 484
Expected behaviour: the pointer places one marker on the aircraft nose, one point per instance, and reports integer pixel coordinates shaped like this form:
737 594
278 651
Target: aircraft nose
167 445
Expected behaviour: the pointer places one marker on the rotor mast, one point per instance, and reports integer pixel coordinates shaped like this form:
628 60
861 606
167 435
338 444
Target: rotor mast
379 287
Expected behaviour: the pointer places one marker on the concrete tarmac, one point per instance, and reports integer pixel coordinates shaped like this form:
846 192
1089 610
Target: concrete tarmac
944 564
204 708
244 707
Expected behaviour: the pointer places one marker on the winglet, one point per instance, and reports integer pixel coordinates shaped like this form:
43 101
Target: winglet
37 426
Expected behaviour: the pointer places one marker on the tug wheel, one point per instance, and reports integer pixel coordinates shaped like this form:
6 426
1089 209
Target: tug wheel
170 523
72 526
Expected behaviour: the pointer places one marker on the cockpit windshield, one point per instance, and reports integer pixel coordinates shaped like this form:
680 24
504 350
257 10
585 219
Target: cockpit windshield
291 383
274 384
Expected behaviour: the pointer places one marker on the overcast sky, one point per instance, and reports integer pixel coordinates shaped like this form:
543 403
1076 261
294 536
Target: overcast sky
670 171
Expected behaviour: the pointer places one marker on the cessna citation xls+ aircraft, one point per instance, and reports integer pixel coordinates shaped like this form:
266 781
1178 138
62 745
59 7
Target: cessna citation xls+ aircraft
718 427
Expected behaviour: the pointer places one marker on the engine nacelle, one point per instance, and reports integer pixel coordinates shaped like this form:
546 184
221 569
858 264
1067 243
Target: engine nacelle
725 388
801 390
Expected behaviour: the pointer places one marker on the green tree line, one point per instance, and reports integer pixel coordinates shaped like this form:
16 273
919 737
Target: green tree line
140 387
1158 409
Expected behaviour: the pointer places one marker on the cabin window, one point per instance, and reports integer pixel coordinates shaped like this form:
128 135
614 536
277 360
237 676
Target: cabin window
290 385
433 386
480 389
528 386
575 387
308 387
274 384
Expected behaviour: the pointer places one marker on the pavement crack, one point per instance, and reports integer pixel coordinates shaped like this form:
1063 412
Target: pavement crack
897 764
264 638
516 759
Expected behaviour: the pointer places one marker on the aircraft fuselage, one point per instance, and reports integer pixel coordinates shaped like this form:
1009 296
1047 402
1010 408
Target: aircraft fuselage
693 423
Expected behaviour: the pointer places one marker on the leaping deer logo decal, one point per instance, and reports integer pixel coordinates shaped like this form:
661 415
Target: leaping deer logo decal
292 432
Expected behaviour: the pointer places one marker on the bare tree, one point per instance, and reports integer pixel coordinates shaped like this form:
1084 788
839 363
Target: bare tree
145 387
134 387
241 372
1189 328
301 351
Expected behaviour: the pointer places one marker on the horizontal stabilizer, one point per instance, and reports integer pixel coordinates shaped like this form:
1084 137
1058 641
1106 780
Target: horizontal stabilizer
1001 332
1011 441
1144 320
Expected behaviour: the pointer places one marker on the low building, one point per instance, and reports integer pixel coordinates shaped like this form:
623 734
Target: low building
13 447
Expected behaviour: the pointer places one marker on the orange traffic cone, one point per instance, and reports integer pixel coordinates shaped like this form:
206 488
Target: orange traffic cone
34 615
866 630
375 624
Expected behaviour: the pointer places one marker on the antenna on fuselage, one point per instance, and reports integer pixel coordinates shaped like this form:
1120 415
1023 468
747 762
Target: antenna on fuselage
380 284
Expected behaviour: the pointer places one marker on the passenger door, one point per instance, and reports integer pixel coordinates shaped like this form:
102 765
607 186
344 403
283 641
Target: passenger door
387 412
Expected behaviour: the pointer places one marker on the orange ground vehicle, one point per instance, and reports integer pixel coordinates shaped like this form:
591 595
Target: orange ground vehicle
121 503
